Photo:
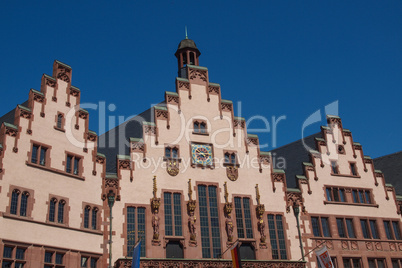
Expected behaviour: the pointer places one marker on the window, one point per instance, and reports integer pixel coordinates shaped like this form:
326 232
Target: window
277 237
200 127
230 158
369 229
173 221
353 169
59 121
209 221
19 203
73 165
91 262
396 263
54 259
345 228
334 167
171 152
91 217
352 262
320 226
361 196
135 228
38 153
13 255
243 217
376 263
335 194
392 230
56 210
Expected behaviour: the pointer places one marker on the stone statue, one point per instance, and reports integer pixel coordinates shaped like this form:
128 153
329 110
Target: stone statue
191 225
229 229
261 229
155 224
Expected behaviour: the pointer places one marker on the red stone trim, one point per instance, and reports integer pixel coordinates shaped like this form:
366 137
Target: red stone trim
139 147
200 121
80 163
98 216
30 204
61 172
110 185
197 76
56 210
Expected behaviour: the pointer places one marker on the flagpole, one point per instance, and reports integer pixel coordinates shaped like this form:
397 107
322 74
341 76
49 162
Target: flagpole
312 250
228 248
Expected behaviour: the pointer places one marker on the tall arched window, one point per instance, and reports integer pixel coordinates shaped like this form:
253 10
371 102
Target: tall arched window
94 218
52 209
14 201
86 216
60 212
60 121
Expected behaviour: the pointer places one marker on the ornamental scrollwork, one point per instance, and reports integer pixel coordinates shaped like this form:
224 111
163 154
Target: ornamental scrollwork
253 141
201 74
213 90
63 73
226 107
294 199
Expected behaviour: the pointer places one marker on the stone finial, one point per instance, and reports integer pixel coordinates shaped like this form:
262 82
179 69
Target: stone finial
190 191
257 191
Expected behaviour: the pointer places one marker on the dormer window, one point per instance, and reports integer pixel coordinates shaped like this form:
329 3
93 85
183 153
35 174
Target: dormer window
200 127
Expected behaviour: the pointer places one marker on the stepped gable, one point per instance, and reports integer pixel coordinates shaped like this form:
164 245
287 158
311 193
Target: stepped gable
10 116
294 154
391 166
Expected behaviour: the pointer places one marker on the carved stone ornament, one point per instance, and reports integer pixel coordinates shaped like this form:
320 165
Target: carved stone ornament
185 85
227 107
110 185
25 114
335 121
124 164
239 123
150 130
100 159
173 99
172 167
264 159
63 73
232 172
38 97
369 246
162 114
11 132
213 90
195 73
82 115
138 147
253 141
91 137
74 92
354 245
345 245
278 177
294 199
49 82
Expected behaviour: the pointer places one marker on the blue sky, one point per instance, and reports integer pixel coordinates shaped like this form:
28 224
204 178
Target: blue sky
279 58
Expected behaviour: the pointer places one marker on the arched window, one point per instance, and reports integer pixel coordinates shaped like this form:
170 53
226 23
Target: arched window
52 209
94 218
203 127
174 153
167 152
233 158
59 120
14 201
192 58
196 127
24 204
60 212
184 59
86 216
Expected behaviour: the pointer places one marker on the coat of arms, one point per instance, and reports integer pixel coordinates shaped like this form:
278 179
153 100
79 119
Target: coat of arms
232 172
172 167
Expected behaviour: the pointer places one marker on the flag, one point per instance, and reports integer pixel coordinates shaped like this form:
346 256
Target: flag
236 255
135 263
324 258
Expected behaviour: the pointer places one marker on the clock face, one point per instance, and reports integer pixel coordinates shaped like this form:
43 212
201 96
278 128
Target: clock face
201 154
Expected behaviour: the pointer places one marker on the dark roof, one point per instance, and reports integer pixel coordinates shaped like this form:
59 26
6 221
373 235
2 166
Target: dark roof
187 43
290 158
9 117
117 140
391 167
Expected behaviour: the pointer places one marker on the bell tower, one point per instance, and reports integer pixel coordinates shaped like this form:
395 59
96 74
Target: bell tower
187 54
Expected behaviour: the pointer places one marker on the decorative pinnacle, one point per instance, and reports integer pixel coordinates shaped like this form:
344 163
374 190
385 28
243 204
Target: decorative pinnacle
185 27
257 194
154 188
190 192
226 192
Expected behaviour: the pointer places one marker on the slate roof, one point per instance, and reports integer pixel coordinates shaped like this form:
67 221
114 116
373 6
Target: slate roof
391 167
9 117
294 154
117 140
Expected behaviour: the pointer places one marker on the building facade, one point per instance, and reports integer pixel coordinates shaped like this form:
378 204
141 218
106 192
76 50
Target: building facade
187 180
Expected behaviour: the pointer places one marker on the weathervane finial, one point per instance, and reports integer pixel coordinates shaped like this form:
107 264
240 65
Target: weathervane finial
185 27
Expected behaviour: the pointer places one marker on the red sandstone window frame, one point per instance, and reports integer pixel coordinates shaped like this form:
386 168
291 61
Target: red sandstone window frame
230 155
392 227
350 261
354 164
72 167
59 125
59 199
397 262
345 226
89 258
173 215
171 147
320 224
334 167
200 127
39 152
29 205
53 262
370 232
13 259
284 224
376 260
91 207
332 192
148 214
